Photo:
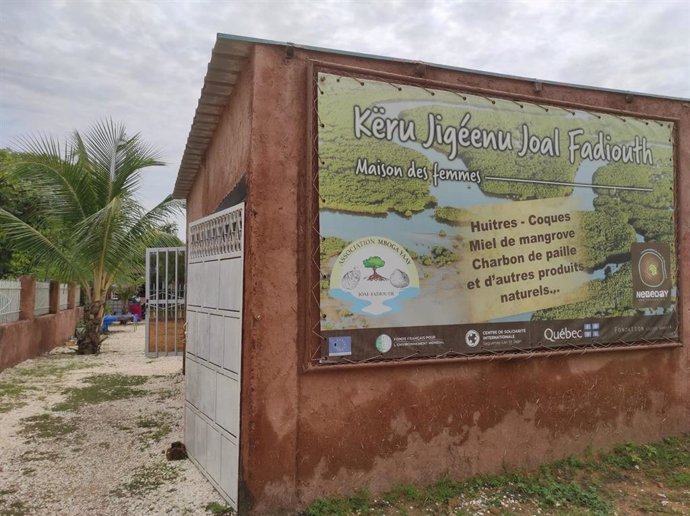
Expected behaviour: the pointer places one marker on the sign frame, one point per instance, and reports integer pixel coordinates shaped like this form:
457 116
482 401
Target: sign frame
316 344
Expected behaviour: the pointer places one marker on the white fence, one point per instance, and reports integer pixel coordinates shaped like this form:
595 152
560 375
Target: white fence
42 301
10 291
62 304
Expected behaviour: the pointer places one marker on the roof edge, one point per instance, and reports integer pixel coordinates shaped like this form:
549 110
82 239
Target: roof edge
250 40
234 49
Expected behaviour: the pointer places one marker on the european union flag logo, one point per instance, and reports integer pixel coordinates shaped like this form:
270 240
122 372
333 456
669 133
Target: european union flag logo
339 346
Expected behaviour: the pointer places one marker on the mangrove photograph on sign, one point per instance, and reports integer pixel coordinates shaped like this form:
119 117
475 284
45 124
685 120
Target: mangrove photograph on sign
456 223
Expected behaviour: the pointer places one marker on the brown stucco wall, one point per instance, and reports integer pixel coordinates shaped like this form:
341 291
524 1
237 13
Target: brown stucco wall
307 433
22 340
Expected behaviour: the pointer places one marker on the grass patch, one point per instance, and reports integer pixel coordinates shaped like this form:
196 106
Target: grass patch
145 479
658 459
219 509
6 406
402 493
14 508
569 486
548 492
37 456
100 389
9 394
355 504
8 389
156 426
166 394
51 368
45 426
681 479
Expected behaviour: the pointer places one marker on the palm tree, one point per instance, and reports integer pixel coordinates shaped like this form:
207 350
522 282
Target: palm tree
90 190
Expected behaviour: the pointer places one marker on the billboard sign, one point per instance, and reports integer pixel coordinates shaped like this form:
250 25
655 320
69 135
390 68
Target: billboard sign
457 223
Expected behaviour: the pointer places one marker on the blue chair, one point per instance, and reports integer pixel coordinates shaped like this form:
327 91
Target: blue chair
107 321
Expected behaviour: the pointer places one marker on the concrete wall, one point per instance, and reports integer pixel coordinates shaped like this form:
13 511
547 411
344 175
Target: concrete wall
22 340
30 336
310 432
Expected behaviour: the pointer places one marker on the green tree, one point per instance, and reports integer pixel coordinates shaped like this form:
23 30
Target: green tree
21 199
374 262
90 186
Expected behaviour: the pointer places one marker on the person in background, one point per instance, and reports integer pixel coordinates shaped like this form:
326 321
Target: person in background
135 309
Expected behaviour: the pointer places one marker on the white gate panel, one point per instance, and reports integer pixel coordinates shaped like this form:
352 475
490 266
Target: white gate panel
165 301
210 281
213 452
216 340
214 347
204 333
191 333
233 349
230 299
229 456
227 395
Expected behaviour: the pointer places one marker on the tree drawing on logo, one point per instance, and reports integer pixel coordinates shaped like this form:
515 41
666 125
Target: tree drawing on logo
652 269
374 262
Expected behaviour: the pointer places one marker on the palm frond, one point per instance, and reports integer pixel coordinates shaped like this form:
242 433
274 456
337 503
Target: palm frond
26 238
91 184
81 157
143 233
59 177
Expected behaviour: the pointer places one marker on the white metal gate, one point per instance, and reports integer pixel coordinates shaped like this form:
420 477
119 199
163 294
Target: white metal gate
165 300
214 347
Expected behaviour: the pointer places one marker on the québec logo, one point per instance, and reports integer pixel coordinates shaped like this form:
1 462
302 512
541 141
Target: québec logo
589 331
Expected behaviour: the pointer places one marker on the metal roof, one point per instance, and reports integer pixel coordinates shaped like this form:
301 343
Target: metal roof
227 60
229 56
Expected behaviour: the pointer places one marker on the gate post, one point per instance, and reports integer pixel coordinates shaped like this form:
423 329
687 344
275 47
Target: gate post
54 297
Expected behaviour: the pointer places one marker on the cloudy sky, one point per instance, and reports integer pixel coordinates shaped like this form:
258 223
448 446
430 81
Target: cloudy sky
67 63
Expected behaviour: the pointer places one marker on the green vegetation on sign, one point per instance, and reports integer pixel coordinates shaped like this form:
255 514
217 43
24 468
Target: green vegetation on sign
339 188
374 262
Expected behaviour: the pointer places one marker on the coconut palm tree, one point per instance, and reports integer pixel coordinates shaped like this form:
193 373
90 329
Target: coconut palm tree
90 187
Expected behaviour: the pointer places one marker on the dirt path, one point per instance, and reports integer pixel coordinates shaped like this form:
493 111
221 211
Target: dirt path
86 434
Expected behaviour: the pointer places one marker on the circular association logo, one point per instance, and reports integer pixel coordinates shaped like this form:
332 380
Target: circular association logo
374 274
472 338
652 268
384 343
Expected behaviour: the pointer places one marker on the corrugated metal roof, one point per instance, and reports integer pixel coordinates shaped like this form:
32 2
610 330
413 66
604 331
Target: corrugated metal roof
227 60
229 56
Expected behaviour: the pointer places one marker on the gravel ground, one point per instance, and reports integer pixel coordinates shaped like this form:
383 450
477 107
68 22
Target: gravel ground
87 434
